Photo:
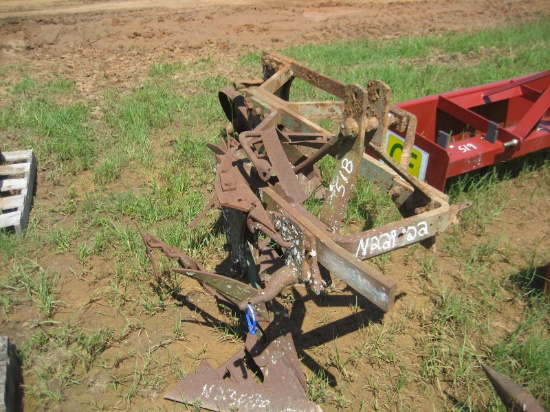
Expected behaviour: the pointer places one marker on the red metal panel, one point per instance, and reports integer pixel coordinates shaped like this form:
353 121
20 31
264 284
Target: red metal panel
519 106
534 115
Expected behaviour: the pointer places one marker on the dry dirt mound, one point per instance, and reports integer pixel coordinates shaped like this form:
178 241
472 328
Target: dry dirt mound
106 41
47 29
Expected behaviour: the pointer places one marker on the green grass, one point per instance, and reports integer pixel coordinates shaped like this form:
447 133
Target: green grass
420 66
524 354
139 156
58 130
38 285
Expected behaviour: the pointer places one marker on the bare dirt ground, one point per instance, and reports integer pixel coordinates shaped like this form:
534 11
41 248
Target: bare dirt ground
97 43
94 40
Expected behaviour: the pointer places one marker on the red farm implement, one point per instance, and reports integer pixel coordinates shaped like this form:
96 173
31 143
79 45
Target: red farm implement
464 130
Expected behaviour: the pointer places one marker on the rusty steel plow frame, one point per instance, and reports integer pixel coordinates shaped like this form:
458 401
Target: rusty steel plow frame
267 170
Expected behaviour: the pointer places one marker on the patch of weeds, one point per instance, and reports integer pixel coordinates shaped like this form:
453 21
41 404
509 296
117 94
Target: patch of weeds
435 356
7 301
531 280
93 345
454 308
144 377
319 384
9 244
131 325
24 86
58 132
397 61
314 205
100 242
341 401
465 362
52 356
376 347
196 355
109 169
197 405
428 266
369 206
177 328
340 363
403 379
192 150
67 207
61 239
175 367
128 239
38 284
443 346
232 331
381 261
176 199
41 389
524 166
165 69
132 117
487 196
479 257
60 85
151 303
150 107
524 355
116 292
84 252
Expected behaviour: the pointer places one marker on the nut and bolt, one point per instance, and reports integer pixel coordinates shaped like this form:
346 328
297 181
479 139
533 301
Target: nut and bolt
349 128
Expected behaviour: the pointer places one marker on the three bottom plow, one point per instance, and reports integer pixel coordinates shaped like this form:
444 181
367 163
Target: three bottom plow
267 173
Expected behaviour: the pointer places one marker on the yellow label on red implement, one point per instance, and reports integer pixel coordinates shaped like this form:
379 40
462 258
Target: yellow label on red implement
418 162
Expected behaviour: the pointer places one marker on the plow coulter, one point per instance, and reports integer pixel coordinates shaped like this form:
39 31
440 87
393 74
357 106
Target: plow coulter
267 172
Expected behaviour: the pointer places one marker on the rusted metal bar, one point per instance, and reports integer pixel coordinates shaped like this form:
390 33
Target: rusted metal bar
364 110
282 166
364 278
514 397
275 61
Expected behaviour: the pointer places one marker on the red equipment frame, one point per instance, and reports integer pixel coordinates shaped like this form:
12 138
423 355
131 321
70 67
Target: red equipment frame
464 130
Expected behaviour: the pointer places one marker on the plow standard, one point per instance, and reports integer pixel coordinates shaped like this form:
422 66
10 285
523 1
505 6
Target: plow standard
267 172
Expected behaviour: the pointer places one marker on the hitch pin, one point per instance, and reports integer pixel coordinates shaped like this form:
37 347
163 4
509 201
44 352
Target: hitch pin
511 143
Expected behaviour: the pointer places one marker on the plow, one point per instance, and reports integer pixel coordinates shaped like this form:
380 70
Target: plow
279 157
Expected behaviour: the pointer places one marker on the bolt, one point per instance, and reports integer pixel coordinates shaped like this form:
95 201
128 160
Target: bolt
511 143
349 128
